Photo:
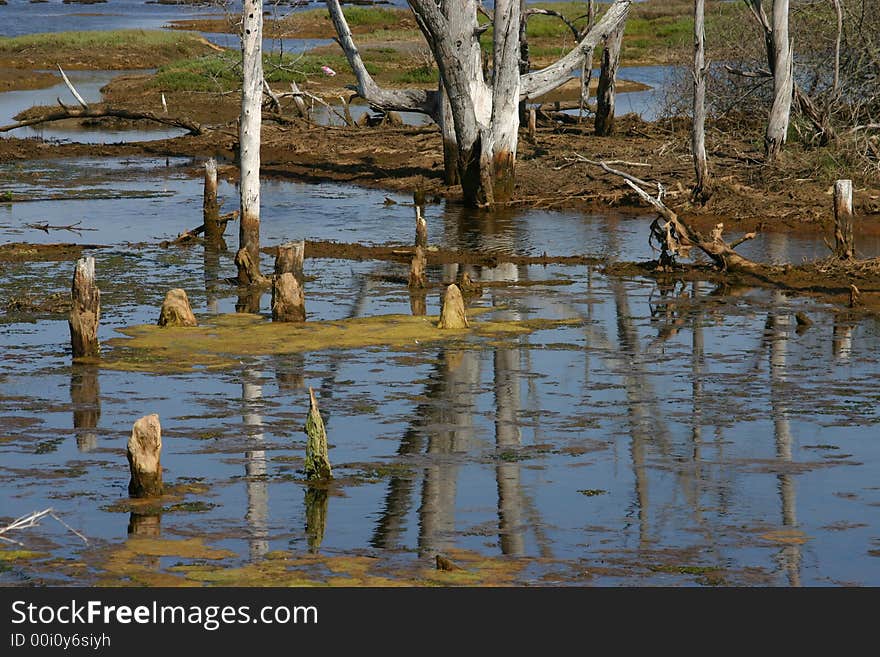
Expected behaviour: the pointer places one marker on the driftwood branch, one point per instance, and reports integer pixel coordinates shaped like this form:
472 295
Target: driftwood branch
73 90
33 520
96 113
677 238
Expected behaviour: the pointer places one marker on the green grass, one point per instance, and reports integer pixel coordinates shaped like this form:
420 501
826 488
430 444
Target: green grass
418 75
222 71
96 39
372 15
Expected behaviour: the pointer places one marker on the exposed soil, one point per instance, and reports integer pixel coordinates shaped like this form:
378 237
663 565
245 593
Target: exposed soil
18 79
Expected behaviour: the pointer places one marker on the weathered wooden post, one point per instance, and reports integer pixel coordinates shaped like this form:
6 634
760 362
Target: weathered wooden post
249 141
417 279
214 228
290 258
844 242
144 451
317 464
288 300
452 315
176 310
85 310
533 125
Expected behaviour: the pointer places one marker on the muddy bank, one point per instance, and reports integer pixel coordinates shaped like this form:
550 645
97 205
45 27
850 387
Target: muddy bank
24 80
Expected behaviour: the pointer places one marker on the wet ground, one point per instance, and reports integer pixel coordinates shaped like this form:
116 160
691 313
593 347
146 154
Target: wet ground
667 434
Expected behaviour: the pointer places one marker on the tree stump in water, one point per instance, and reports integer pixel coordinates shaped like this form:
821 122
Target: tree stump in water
290 259
452 315
317 459
288 300
248 271
468 287
214 228
417 279
85 310
176 310
844 243
144 451
421 229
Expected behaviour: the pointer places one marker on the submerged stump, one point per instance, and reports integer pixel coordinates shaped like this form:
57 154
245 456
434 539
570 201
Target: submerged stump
317 464
452 314
214 228
248 270
421 229
144 451
288 299
176 310
85 310
417 278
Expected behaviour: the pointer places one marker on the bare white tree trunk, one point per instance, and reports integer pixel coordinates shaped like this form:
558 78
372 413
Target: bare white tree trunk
249 128
698 134
783 82
484 114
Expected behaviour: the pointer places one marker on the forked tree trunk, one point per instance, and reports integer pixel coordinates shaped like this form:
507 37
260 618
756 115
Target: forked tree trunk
607 82
698 134
249 130
783 83
485 114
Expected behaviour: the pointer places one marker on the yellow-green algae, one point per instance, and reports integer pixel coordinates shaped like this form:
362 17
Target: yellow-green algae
137 563
220 340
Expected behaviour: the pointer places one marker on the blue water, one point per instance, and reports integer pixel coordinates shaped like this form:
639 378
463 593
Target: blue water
709 431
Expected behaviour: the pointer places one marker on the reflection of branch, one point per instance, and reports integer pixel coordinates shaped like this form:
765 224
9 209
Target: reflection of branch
46 227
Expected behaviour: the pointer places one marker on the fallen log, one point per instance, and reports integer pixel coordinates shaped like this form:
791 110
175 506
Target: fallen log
97 113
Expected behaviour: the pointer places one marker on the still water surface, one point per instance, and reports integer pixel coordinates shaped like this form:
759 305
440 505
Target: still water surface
670 429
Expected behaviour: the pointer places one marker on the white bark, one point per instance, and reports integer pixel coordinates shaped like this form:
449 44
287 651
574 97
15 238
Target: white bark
538 83
698 134
249 128
783 82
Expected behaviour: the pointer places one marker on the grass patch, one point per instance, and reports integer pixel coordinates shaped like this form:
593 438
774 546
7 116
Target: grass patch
418 75
222 71
110 49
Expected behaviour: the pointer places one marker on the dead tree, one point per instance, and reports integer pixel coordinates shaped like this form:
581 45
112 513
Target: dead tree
249 139
701 190
675 238
607 81
485 113
783 83
780 63
66 112
85 310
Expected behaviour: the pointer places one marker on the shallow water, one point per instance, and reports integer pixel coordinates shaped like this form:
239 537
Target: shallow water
669 430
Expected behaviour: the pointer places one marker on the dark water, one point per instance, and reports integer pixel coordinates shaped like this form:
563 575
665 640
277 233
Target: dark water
669 428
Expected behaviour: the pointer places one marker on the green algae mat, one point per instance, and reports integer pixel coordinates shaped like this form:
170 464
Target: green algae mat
220 341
